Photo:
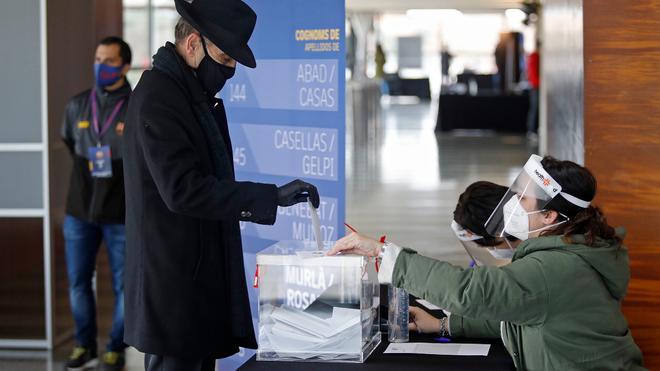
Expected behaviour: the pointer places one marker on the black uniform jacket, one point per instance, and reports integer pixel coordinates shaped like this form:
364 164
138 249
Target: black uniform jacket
185 284
95 200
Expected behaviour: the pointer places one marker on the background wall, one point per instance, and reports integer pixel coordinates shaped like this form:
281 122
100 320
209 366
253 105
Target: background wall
22 182
617 131
622 144
561 80
19 39
74 28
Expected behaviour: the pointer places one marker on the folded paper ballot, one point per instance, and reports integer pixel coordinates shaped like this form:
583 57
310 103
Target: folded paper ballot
296 332
316 222
439 349
342 318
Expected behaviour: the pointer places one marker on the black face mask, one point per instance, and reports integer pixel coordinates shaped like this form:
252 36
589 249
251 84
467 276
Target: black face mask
212 74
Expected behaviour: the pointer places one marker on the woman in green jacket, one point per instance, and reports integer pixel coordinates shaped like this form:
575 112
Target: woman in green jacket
557 306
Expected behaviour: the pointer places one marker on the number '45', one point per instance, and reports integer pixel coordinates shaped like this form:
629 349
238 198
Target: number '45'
240 158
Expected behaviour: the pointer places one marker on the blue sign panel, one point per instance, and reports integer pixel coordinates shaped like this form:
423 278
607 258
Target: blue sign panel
287 121
312 85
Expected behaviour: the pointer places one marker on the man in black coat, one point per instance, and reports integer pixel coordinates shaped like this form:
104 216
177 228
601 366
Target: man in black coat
186 300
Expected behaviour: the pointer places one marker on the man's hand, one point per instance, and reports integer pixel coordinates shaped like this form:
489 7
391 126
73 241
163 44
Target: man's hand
297 192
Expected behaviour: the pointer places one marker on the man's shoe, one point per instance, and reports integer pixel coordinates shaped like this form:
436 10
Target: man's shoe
113 361
81 359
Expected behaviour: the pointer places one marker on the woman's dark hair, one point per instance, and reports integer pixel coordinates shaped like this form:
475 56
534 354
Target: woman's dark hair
577 181
474 207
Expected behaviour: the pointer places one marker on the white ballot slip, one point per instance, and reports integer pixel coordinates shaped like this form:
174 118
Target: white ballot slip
439 349
317 225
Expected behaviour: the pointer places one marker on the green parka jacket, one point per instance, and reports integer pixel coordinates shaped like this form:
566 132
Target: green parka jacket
557 306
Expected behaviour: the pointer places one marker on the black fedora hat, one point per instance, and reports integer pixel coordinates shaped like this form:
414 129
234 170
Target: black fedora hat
227 23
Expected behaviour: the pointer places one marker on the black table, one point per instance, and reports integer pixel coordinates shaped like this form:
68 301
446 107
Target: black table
501 113
408 87
498 358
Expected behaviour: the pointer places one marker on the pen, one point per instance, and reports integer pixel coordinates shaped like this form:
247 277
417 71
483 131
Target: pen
419 330
442 339
382 238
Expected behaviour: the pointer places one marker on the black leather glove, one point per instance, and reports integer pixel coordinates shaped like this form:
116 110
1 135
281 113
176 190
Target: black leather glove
297 192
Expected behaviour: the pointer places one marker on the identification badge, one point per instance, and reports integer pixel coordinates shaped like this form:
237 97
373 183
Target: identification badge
100 162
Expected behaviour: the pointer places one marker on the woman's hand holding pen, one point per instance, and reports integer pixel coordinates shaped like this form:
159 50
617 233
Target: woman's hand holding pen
421 321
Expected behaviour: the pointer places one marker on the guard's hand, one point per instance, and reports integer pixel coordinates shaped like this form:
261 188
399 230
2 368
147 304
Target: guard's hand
297 192
357 244
422 321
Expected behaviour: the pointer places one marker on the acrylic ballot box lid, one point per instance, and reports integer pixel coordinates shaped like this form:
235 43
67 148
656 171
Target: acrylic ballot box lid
306 253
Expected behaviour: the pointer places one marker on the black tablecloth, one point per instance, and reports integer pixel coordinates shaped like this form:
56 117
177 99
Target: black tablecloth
498 358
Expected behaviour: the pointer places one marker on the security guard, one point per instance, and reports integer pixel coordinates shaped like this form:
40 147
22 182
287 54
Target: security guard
92 130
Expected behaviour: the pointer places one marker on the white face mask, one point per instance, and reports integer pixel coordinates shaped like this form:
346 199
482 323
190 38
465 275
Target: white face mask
502 253
516 220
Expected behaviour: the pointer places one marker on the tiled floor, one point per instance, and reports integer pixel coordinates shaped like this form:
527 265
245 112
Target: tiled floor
404 183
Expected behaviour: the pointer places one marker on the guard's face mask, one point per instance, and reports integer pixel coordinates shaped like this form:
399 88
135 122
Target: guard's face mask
106 75
211 74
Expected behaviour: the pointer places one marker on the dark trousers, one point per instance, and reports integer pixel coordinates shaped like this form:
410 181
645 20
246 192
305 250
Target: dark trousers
154 362
82 241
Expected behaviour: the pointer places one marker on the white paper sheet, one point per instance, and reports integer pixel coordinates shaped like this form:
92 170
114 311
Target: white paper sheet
428 305
342 319
317 225
439 349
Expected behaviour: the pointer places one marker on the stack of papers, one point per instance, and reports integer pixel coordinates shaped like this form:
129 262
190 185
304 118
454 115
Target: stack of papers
304 335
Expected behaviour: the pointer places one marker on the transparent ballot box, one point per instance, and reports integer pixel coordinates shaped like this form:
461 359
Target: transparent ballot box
314 307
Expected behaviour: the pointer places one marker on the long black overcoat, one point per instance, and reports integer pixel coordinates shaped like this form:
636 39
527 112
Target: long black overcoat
185 289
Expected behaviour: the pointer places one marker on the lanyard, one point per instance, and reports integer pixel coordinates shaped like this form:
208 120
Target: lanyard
95 119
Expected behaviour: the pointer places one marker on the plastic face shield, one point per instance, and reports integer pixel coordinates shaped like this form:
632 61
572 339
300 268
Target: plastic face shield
529 194
479 254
